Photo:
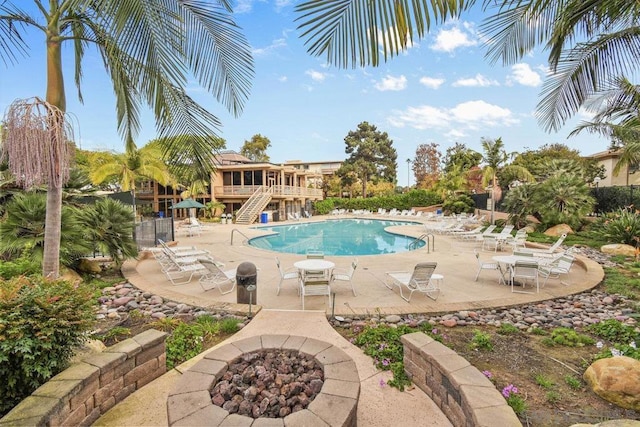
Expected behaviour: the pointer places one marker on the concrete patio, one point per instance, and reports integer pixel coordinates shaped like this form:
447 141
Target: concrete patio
455 258
378 405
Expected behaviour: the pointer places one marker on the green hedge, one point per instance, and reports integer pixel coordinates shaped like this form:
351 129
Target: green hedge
611 199
412 199
41 323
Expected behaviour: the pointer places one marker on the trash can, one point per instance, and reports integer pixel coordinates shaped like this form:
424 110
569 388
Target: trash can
247 283
264 218
439 212
276 216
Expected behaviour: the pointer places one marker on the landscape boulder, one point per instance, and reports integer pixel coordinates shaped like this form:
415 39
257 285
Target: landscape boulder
618 249
616 380
89 266
559 230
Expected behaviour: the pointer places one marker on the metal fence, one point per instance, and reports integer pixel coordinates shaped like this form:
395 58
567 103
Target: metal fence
148 232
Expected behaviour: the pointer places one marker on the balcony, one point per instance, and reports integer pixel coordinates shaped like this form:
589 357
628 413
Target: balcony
278 191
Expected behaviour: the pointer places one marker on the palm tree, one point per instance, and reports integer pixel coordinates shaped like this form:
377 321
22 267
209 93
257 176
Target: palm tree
618 118
150 49
495 158
589 41
130 167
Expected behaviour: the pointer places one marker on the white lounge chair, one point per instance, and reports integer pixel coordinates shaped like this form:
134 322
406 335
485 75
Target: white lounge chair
556 268
546 252
420 280
216 278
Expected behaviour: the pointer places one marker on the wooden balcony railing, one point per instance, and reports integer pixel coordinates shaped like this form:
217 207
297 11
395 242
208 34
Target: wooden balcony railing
278 190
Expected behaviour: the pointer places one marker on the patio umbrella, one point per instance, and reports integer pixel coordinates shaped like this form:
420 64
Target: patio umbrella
187 203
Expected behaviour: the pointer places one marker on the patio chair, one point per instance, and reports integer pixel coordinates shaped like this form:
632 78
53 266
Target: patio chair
179 273
553 270
346 275
417 281
525 270
215 277
549 251
485 265
315 254
312 285
286 274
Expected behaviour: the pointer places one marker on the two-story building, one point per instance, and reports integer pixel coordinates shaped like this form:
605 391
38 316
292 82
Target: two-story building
248 188
628 175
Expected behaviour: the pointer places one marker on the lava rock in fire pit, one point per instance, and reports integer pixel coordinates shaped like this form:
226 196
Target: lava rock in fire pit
269 384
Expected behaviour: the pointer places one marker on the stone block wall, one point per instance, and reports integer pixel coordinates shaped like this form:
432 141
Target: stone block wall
80 394
462 392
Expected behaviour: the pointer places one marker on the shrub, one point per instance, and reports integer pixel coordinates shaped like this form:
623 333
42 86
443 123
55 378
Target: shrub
109 225
615 331
460 203
481 340
184 343
22 230
23 266
568 338
41 323
383 344
622 226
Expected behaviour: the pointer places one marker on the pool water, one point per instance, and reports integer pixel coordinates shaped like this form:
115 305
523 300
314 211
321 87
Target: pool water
337 237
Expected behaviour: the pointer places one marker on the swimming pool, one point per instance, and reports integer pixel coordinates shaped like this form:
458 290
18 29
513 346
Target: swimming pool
337 237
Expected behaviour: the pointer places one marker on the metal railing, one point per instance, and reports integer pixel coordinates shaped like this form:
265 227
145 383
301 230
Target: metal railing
430 242
235 230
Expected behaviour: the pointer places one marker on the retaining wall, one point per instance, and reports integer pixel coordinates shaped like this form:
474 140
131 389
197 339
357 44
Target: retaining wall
462 392
80 394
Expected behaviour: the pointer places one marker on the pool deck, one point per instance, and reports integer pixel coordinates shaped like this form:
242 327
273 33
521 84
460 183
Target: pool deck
455 258
378 405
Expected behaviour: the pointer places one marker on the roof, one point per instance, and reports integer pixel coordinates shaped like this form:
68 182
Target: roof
230 157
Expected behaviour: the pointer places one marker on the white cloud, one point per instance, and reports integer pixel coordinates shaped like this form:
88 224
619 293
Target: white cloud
431 82
316 76
392 83
455 134
243 6
478 81
454 121
450 40
283 79
524 75
275 44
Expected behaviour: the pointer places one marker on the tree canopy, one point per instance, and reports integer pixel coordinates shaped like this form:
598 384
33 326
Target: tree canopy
372 157
256 148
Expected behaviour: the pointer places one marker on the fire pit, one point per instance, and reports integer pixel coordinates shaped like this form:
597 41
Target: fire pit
289 379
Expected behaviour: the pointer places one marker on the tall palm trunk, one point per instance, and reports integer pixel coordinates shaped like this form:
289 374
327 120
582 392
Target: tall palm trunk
55 96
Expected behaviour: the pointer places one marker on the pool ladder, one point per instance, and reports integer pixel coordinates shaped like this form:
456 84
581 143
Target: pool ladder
235 230
429 238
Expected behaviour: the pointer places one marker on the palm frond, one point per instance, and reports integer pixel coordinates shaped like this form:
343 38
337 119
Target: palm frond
582 71
352 33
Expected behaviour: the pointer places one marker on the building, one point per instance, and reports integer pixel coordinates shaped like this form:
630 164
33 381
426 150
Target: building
247 188
628 175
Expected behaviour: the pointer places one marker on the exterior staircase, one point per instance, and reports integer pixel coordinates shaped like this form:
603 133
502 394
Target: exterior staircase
248 213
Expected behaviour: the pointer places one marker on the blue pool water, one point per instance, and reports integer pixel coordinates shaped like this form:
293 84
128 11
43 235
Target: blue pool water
337 237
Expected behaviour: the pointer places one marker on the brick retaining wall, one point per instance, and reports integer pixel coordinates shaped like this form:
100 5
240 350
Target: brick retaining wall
86 390
462 392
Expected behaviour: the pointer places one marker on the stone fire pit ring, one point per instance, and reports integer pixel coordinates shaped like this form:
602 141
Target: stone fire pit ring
189 402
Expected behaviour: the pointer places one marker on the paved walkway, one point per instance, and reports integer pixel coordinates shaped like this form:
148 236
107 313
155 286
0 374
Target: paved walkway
378 406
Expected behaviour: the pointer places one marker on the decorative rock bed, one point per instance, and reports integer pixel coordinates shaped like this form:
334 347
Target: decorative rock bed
191 402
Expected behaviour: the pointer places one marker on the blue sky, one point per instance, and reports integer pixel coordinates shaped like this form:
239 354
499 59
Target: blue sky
441 90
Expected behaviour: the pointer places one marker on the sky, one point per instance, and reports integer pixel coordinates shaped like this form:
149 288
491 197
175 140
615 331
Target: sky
442 90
